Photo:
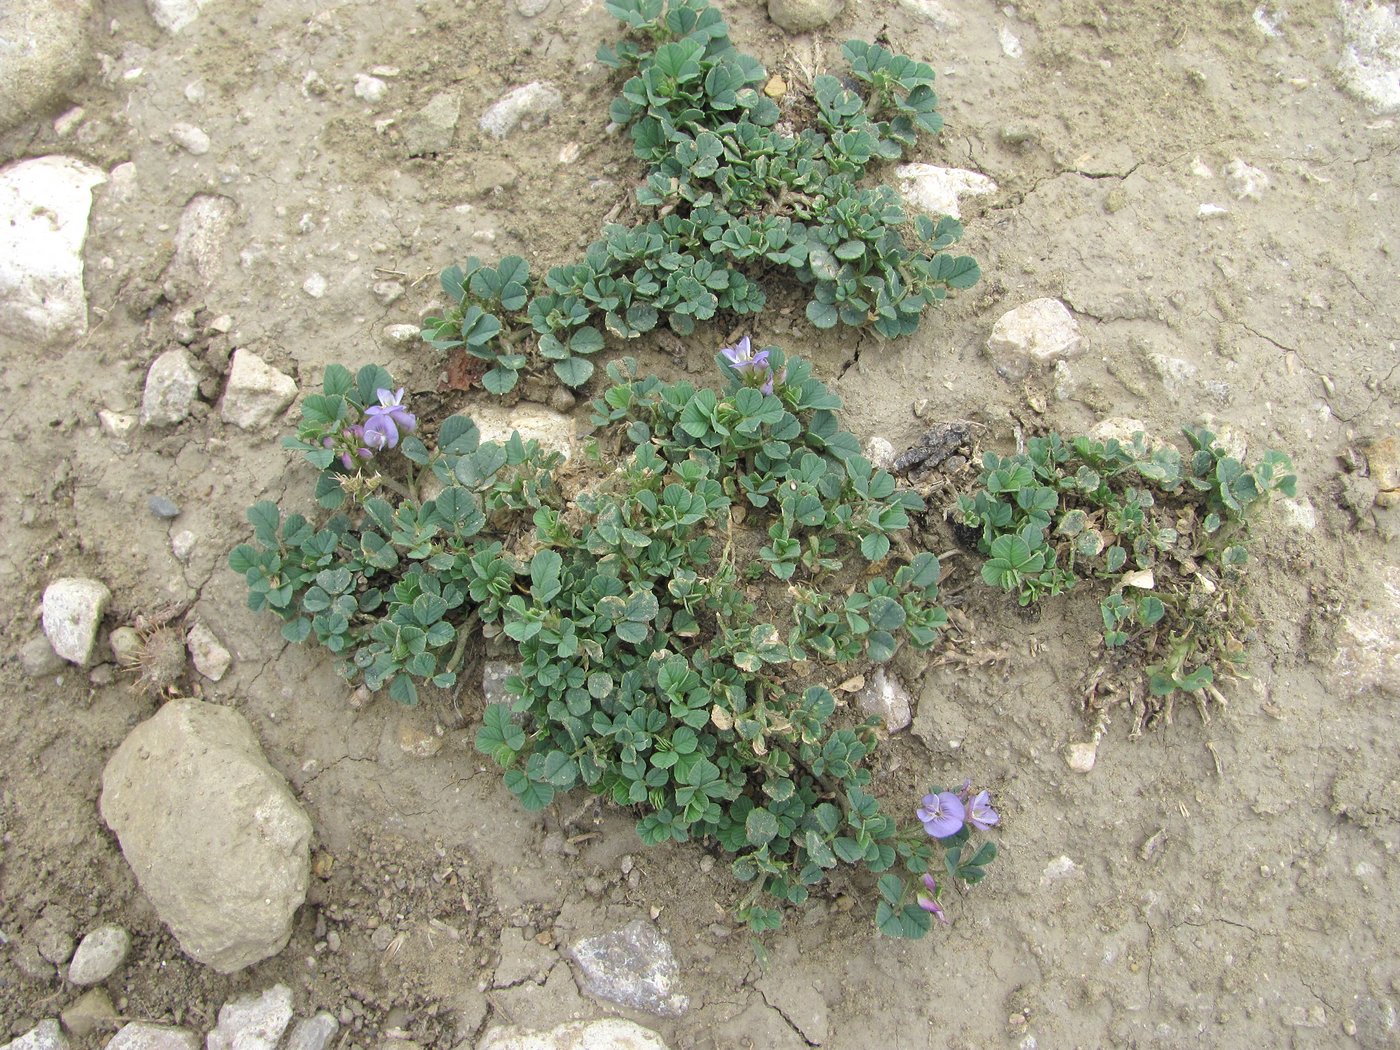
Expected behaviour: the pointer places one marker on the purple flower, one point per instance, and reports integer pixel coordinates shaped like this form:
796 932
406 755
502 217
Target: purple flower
942 814
753 367
930 903
980 813
386 419
356 438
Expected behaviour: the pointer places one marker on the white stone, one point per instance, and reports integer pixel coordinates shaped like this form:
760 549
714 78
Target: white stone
531 8
936 14
315 285
313 1033
880 452
369 88
613 1033
142 1035
1038 332
1059 868
174 15
256 393
209 657
182 544
44 206
204 231
633 966
521 108
46 1036
1299 513
190 139
551 429
1249 182
115 424
885 696
1266 24
73 608
216 840
1010 42
98 955
171 386
938 190
1081 757
253 1022
1211 211
401 333
1370 63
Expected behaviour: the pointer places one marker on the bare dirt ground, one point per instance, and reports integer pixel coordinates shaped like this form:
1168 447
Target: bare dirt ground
1224 884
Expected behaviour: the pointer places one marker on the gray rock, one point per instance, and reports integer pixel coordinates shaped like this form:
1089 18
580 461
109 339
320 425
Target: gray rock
182 544
880 452
205 228
799 16
1039 332
313 1033
189 138
44 206
369 88
885 696
938 190
99 955
142 1035
174 15
612 1033
632 966
401 333
217 841
493 680
38 659
46 1036
171 387
1370 63
73 609
45 46
256 393
431 129
89 1012
207 653
522 108
52 934
254 1022
162 507
531 8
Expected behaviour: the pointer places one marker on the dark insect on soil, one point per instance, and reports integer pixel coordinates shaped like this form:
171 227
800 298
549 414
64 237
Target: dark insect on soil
945 447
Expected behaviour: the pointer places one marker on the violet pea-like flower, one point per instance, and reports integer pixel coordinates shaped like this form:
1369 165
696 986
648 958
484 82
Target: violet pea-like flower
355 436
385 421
930 903
942 815
980 813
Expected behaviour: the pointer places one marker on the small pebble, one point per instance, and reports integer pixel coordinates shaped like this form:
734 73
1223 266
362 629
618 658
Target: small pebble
315 285
371 89
162 507
190 138
182 544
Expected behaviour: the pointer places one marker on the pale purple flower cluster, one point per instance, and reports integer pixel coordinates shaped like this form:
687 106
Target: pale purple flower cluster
385 423
945 813
753 367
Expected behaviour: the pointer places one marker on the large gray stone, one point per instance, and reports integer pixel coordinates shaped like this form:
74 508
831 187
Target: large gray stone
885 696
313 1033
217 841
612 1033
44 205
1039 332
73 608
256 393
632 966
938 190
44 47
45 1036
431 129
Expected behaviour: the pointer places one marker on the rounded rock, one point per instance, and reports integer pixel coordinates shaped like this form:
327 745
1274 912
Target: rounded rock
99 955
162 507
47 46
73 609
800 16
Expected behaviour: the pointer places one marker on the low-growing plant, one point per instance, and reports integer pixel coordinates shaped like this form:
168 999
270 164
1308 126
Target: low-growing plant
1167 533
676 620
738 196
